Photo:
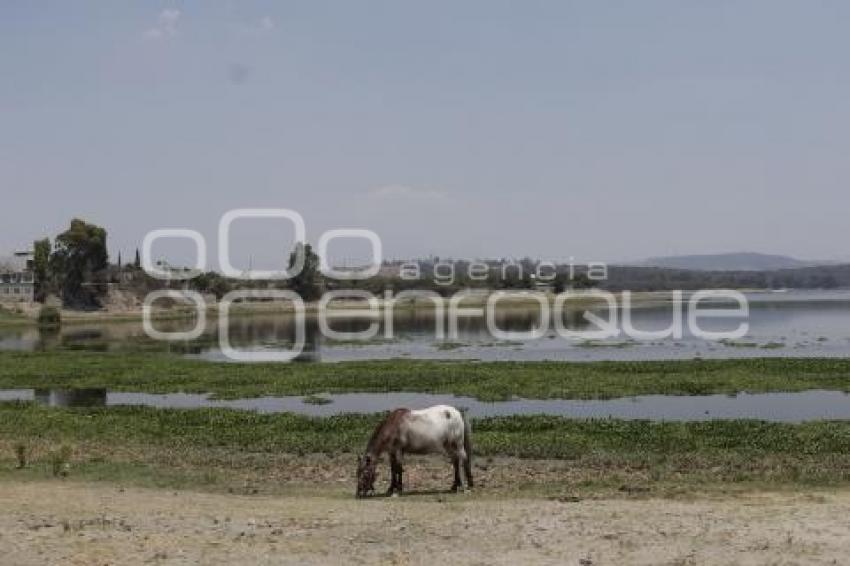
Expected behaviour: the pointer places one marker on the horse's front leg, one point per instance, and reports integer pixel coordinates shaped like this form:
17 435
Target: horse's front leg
395 475
457 485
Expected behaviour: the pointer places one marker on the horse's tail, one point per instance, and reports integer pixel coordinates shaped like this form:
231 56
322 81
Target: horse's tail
467 447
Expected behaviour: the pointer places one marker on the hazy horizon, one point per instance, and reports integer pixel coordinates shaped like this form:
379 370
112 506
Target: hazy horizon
604 131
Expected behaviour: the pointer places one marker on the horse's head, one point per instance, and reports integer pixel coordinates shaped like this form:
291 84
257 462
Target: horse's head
365 475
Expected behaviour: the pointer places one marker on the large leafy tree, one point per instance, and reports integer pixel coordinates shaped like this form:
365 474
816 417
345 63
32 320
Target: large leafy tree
79 255
41 259
307 282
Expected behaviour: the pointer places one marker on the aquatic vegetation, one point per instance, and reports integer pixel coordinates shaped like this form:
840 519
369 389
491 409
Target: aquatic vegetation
447 346
377 341
164 373
738 343
605 344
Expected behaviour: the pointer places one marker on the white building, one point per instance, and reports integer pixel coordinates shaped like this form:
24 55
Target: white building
17 280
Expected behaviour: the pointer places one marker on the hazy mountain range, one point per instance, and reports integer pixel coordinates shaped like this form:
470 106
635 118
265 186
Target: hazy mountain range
743 261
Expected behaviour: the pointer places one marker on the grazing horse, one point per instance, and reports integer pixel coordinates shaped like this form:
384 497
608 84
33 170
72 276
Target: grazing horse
440 429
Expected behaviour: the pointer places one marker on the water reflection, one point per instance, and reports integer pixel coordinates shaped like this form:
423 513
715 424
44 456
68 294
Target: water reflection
71 397
777 407
788 324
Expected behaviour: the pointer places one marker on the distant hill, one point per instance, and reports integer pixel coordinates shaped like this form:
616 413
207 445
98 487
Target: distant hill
746 261
648 278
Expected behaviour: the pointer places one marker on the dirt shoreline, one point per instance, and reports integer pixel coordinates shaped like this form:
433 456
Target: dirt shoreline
121 313
85 523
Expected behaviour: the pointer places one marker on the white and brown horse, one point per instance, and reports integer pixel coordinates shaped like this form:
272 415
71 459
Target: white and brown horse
436 430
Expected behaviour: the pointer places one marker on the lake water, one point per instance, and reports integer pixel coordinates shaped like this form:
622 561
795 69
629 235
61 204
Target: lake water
778 407
795 323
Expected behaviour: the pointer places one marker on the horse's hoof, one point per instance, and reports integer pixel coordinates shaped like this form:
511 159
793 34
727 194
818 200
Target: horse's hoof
394 495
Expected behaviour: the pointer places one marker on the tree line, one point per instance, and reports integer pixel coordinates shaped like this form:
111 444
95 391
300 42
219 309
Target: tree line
76 268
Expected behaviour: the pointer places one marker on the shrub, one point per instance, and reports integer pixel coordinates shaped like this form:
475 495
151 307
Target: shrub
59 461
49 317
21 455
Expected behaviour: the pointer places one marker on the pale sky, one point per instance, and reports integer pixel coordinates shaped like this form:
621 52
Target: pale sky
601 130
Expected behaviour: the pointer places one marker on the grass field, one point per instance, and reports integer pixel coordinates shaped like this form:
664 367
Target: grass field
219 449
242 451
161 373
8 317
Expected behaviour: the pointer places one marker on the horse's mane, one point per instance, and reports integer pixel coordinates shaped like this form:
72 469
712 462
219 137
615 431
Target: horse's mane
385 431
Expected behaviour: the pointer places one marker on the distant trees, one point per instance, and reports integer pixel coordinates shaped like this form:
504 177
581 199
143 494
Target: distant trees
511 275
564 282
79 255
307 283
639 278
76 268
212 282
582 281
41 261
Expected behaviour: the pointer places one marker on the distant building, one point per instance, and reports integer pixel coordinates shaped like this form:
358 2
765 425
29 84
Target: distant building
390 269
17 280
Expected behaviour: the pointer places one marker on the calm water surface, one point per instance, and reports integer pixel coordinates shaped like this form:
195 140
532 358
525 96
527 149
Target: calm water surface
796 323
778 407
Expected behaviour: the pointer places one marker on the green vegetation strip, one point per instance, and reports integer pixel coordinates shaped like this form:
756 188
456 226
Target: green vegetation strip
521 436
221 441
8 317
162 373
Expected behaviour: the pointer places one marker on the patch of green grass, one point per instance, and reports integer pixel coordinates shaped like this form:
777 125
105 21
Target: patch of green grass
376 341
521 436
9 317
220 447
448 346
605 344
500 344
164 373
738 343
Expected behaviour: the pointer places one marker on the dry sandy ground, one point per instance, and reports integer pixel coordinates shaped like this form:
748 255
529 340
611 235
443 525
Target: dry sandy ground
77 523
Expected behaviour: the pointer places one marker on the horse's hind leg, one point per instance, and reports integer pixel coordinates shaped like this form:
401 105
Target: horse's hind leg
461 458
